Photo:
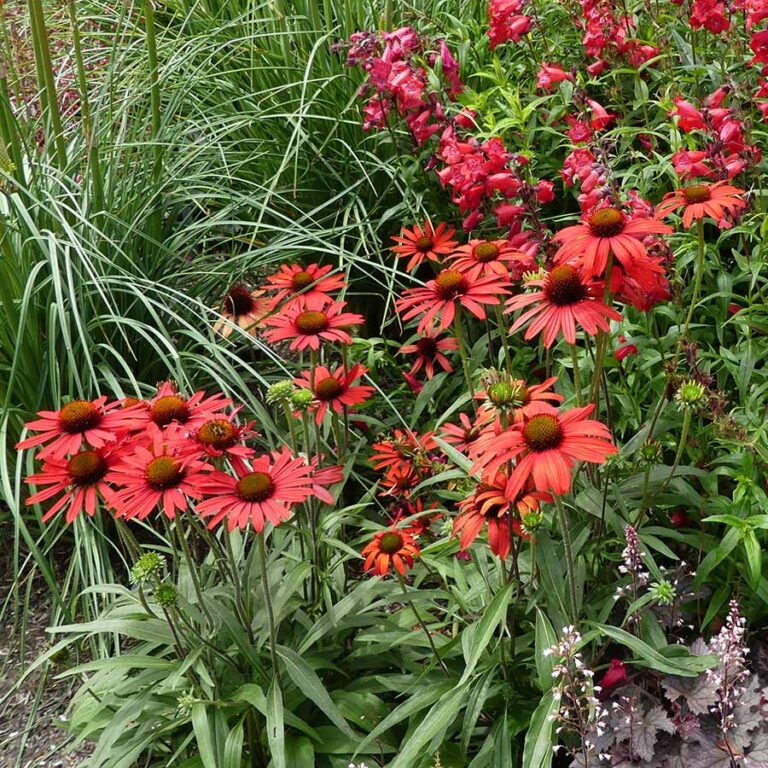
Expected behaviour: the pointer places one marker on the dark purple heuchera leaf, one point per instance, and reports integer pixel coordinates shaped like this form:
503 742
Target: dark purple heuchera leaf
699 693
639 729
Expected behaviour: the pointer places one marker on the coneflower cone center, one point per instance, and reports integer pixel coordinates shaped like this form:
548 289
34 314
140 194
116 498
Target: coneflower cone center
563 286
542 432
485 252
450 284
239 300
218 434
312 321
391 543
697 194
426 346
164 472
607 222
255 486
301 280
78 416
328 388
424 244
169 408
86 468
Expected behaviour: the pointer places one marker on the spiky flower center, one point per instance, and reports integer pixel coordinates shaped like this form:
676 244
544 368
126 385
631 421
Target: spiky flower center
301 280
485 252
328 388
426 346
169 408
255 486
312 321
391 543
78 416
450 284
542 432
86 468
699 193
239 301
563 286
164 472
607 222
218 434
424 244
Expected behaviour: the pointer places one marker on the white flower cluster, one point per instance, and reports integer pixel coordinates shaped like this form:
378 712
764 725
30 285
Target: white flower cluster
580 712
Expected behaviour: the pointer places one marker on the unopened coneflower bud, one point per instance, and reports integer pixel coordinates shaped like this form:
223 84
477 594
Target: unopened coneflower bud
148 565
301 398
279 392
663 592
690 395
651 453
166 595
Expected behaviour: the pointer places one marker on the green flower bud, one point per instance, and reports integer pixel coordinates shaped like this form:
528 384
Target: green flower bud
148 565
690 395
166 595
663 592
279 392
301 398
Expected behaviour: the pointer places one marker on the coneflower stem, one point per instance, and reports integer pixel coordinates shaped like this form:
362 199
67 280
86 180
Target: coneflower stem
569 563
576 373
421 623
503 334
698 278
192 567
268 605
457 324
680 448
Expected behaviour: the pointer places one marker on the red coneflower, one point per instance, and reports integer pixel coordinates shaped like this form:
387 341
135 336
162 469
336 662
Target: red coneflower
390 547
492 504
548 444
603 231
162 470
702 200
428 349
79 478
296 282
483 258
565 299
462 435
421 243
440 297
222 436
418 521
402 448
169 406
400 480
92 422
268 490
311 321
323 478
242 308
335 390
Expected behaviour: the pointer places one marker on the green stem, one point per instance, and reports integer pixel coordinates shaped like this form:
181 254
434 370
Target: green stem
503 333
569 562
699 277
192 567
421 623
268 604
680 448
576 373
459 330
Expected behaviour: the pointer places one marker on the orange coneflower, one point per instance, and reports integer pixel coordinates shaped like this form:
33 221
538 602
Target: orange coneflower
223 436
429 350
294 282
335 390
79 479
606 230
565 299
267 490
311 321
462 435
546 446
483 258
402 448
421 243
702 200
170 406
160 471
242 308
440 297
93 422
491 503
390 547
